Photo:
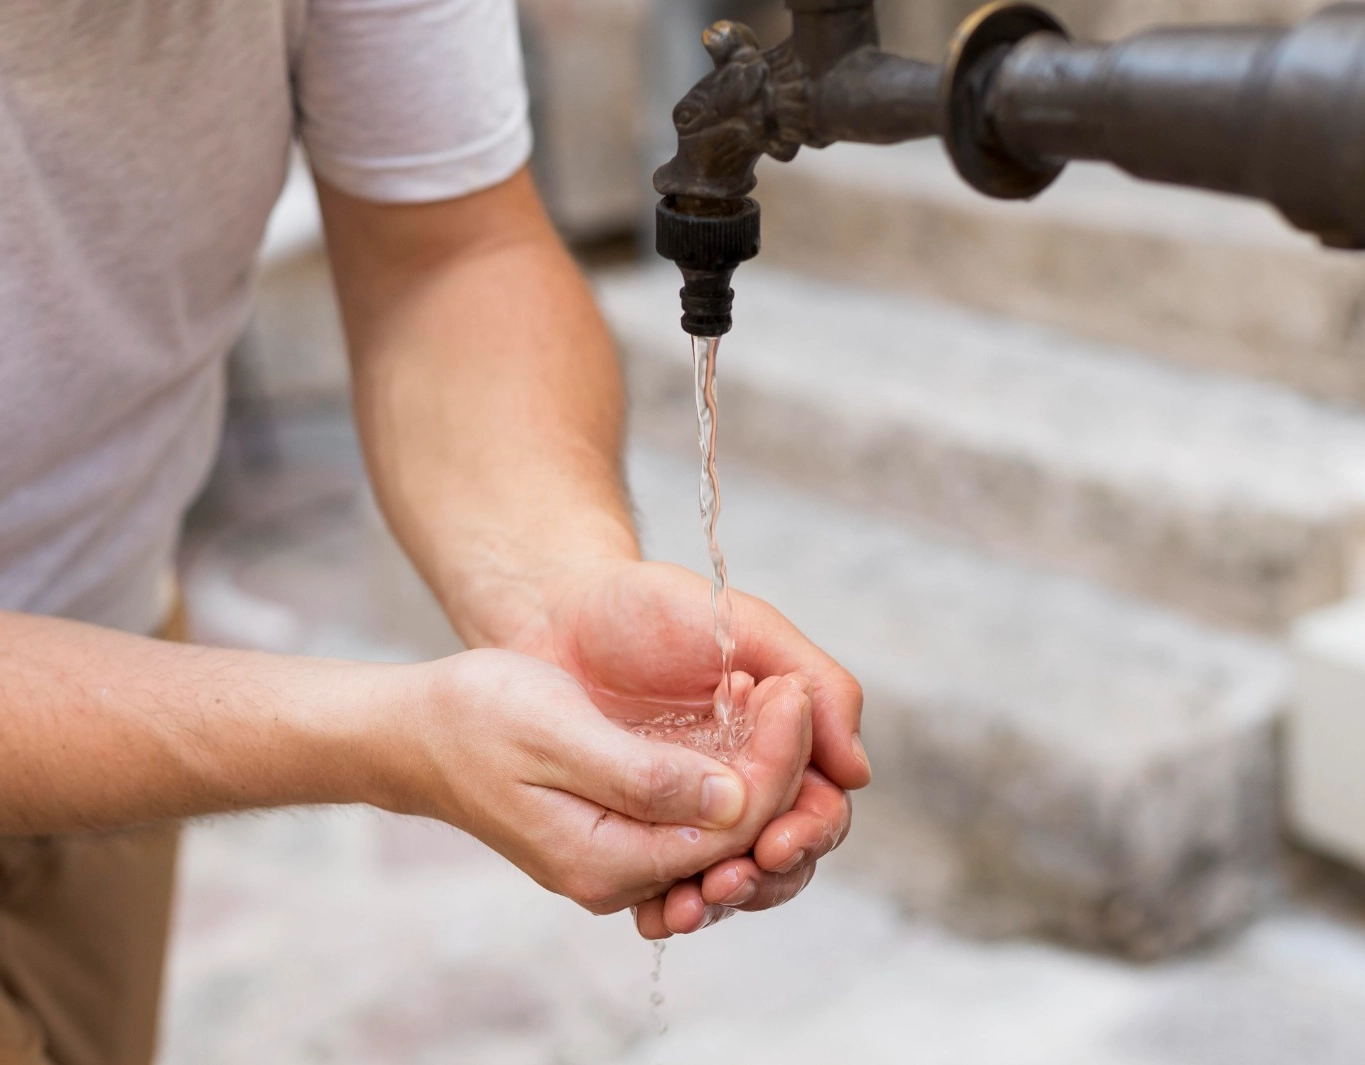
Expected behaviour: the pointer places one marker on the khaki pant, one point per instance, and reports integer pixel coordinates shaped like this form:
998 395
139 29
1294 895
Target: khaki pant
83 923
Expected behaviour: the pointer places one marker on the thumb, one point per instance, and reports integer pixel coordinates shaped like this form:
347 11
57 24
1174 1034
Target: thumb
780 746
648 780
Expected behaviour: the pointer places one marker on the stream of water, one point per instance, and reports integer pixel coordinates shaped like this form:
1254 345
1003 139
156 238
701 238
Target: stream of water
717 726
704 351
723 738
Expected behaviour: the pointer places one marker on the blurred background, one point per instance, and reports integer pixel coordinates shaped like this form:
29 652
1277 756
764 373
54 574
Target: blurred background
1074 487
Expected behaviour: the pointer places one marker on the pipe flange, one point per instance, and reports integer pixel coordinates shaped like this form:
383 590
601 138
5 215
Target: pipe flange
977 48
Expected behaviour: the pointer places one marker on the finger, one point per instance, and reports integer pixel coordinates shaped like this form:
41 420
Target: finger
767 645
649 919
740 884
779 747
684 908
685 912
816 824
741 688
731 883
663 854
643 779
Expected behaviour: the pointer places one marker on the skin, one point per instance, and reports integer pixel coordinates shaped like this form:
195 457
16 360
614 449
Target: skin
490 405
505 746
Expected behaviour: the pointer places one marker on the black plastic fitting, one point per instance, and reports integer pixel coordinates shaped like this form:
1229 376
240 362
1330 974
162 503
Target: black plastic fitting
707 239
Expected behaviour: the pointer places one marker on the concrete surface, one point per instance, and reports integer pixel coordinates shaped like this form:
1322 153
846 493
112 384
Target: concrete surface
1324 787
351 938
1197 278
585 70
1235 500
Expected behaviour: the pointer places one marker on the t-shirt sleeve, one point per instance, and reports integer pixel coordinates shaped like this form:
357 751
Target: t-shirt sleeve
411 101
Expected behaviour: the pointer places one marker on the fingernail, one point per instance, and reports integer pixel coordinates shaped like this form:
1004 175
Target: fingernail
860 750
741 894
714 916
792 862
722 801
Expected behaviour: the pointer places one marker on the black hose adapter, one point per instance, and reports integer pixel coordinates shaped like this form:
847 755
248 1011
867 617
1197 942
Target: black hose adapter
707 239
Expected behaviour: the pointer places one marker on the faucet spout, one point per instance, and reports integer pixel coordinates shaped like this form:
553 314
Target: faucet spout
708 239
827 82
753 104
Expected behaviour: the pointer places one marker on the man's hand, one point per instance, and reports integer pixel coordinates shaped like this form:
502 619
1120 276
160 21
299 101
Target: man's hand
510 749
639 637
491 404
99 729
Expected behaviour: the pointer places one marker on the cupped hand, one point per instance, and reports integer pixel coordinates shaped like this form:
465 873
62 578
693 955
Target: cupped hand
512 750
639 637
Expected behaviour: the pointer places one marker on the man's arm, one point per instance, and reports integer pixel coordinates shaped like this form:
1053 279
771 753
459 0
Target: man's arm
488 396
99 729
102 730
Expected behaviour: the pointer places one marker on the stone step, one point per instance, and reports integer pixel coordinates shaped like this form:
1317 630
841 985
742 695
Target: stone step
1049 756
1232 499
1202 279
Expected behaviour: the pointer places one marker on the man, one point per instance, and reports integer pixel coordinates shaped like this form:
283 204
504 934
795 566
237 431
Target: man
142 145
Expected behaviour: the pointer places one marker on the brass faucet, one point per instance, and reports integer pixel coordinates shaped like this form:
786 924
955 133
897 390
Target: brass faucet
1274 113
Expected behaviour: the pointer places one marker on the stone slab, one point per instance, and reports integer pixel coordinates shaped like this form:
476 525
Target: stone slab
1229 498
1325 789
1200 279
1050 757
359 939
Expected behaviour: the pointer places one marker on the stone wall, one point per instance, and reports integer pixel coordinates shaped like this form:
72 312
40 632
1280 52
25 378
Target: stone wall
584 68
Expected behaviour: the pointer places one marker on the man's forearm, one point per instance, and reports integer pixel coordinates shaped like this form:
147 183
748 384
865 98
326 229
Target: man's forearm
488 395
99 729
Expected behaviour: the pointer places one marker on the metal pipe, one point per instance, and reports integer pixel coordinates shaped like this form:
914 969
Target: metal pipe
823 33
875 98
1269 113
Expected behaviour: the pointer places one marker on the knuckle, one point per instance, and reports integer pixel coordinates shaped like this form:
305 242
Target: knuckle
591 891
651 780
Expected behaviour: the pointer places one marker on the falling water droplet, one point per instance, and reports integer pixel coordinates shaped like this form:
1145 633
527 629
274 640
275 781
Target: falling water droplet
656 995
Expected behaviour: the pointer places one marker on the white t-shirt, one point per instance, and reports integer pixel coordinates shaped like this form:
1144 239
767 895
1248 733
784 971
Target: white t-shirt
142 146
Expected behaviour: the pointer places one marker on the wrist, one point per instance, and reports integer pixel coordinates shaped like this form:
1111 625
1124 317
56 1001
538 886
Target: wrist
423 748
342 724
378 742
506 593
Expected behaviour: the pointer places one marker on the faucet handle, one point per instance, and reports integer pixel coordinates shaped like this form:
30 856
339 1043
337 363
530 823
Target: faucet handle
724 40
